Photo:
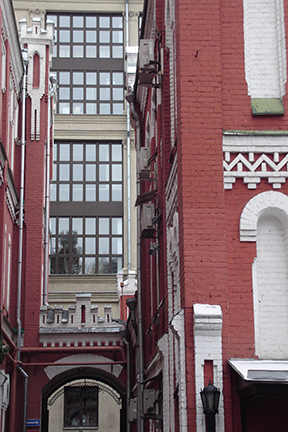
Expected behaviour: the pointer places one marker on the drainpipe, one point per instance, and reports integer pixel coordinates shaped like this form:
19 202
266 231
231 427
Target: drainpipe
128 394
21 204
51 90
21 223
140 421
128 158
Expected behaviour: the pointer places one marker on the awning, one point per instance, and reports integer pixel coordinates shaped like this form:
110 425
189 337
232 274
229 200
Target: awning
262 371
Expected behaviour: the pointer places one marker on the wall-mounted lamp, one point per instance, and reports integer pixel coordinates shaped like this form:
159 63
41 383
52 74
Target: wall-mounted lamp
132 303
210 400
153 248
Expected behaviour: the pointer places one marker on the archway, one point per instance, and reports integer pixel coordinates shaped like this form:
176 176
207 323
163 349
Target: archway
84 377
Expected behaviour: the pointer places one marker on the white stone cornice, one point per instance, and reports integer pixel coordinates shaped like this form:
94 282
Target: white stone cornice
253 158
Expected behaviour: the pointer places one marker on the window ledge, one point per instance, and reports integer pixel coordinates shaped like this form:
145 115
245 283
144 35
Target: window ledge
267 106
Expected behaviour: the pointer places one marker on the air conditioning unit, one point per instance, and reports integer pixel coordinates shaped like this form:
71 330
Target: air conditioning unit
146 64
133 410
147 224
144 167
149 399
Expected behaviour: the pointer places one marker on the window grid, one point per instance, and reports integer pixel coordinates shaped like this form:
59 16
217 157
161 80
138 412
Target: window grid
87 172
86 245
80 39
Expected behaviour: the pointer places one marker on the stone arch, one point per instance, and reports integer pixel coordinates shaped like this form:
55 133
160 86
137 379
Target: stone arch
274 202
82 372
264 220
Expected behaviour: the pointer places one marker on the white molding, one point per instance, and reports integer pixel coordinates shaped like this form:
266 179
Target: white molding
254 209
252 158
208 346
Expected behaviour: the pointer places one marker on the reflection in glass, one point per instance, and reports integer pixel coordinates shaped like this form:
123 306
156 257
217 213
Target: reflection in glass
91 93
117 226
91 108
78 152
104 22
117 172
104 78
117 153
78 93
104 152
117 245
53 225
91 78
52 245
78 108
91 22
90 246
104 36
117 93
77 172
77 192
64 172
90 152
64 51
117 108
63 192
91 192
91 36
116 264
117 22
78 51
62 265
64 108
64 21
117 36
52 192
91 172
91 51
78 36
64 36
117 78
103 263
77 77
104 51
64 93
103 244
116 192
104 93
78 21
63 226
103 192
77 225
90 267
64 77
104 172
103 225
77 265
90 226
117 51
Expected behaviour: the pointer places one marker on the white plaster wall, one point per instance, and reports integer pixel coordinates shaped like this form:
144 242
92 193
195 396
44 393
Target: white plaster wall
271 289
265 56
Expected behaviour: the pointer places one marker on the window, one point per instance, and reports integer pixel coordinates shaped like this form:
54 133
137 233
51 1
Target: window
87 171
81 406
86 212
88 61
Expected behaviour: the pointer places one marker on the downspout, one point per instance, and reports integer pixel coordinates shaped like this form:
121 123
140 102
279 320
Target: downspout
128 394
130 98
21 223
51 90
128 158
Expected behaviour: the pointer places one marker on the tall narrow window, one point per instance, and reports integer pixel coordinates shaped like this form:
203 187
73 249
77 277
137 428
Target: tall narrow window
36 71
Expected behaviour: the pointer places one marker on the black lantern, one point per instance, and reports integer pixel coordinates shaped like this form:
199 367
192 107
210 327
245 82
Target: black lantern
210 400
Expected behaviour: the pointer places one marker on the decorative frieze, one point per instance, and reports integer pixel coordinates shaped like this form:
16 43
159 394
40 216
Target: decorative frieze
255 157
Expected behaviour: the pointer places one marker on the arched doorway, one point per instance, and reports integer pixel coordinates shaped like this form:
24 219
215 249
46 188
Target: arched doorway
84 397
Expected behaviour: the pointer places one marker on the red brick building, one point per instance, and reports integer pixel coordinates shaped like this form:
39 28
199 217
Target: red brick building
209 112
